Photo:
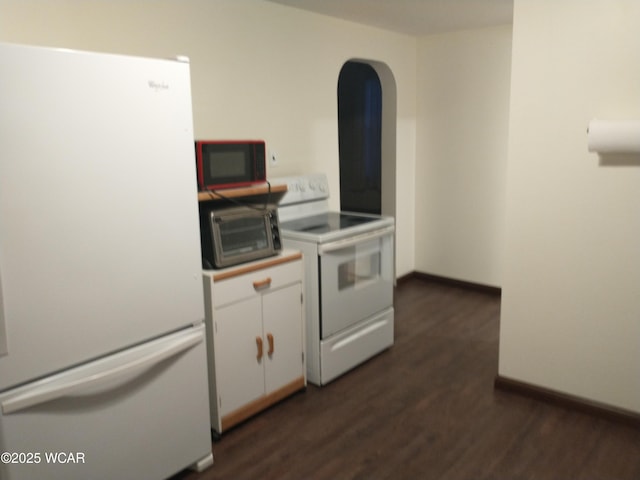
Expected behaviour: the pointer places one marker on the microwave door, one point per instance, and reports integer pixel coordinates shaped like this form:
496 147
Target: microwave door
227 164
228 167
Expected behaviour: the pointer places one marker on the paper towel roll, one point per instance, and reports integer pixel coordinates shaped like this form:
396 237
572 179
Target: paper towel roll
613 137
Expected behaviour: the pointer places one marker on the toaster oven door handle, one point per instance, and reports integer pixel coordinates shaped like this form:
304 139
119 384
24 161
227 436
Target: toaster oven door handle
351 241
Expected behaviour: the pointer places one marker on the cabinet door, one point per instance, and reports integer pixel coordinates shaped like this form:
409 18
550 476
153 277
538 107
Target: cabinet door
239 368
282 315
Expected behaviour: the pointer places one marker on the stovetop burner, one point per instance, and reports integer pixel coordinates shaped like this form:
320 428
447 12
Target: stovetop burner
325 222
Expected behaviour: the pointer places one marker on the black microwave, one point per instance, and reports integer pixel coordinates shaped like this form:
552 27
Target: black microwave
230 163
238 234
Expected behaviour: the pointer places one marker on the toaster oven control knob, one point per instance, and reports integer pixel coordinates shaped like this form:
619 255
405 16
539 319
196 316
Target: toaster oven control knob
275 235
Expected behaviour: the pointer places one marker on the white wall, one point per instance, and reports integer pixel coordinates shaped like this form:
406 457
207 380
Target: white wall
462 138
571 272
259 70
571 291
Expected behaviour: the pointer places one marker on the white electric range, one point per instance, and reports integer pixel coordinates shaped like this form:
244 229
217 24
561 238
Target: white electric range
348 259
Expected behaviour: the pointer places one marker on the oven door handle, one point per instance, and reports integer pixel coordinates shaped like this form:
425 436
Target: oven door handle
349 242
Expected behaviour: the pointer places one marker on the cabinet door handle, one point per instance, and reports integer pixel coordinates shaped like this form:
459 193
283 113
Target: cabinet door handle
259 344
258 284
270 339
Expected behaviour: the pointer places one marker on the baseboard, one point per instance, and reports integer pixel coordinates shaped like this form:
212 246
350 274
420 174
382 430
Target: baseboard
450 281
405 278
572 402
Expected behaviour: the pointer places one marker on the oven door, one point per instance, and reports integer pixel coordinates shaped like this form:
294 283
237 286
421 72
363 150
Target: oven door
356 279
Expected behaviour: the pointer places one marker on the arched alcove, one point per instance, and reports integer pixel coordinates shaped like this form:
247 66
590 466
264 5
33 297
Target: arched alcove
367 133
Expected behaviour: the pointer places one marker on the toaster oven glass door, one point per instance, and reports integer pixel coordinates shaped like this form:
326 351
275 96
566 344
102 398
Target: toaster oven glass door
241 235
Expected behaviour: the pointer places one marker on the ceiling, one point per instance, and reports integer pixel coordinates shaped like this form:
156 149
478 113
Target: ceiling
413 17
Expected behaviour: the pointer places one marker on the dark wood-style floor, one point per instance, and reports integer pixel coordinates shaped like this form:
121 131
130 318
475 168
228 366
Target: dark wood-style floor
426 409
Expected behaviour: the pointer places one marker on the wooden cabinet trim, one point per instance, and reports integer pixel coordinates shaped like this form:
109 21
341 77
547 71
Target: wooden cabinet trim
253 267
242 192
261 403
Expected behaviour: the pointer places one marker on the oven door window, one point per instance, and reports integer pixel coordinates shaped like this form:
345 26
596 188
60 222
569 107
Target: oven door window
356 282
361 268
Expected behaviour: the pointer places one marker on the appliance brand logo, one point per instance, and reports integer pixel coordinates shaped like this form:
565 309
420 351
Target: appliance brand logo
158 86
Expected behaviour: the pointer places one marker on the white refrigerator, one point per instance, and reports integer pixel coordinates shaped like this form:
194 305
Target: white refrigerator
102 353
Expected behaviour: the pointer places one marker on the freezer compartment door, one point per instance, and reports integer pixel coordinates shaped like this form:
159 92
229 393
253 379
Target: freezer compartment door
140 413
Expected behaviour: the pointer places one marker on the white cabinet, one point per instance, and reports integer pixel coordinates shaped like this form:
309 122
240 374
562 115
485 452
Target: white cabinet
255 336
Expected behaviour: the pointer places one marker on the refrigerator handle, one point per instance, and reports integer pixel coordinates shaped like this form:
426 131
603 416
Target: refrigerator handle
74 386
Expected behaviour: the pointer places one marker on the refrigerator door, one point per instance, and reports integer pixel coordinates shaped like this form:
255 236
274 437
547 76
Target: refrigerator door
3 330
99 240
140 413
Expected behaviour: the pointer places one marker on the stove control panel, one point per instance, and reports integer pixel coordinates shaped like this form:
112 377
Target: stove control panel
303 188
